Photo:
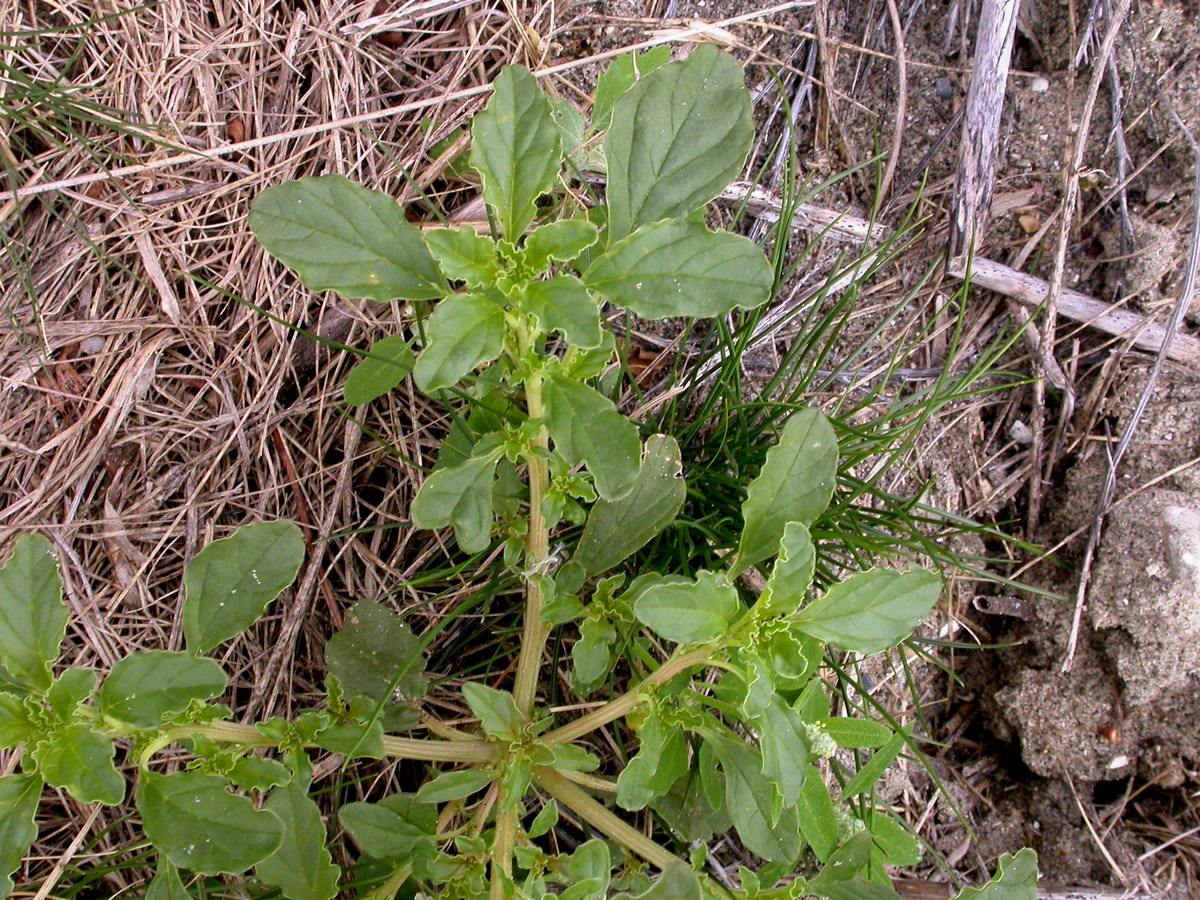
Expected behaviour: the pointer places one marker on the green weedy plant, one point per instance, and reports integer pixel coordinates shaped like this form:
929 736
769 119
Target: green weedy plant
516 333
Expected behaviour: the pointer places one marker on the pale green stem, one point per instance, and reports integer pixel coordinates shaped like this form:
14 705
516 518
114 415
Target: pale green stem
599 817
504 840
387 890
628 701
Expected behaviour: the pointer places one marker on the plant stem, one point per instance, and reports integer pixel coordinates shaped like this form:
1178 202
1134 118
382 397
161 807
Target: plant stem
503 841
627 701
600 818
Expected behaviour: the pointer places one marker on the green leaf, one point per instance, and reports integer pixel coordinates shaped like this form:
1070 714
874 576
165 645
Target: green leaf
660 761
748 797
258 774
33 617
80 761
617 528
385 832
562 240
873 610
200 826
818 821
69 691
1015 879
516 150
340 236
620 76
795 485
353 739
689 611
16 724
464 255
455 785
166 883
894 843
368 656
544 821
497 710
680 268
144 687
19 796
872 770
856 888
677 138
460 496
587 429
861 734
464 331
784 747
231 581
564 305
390 360
302 867
845 862
677 882
593 655
792 574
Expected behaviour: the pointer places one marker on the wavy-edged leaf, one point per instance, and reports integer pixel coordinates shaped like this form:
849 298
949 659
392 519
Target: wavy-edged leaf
681 268
795 485
19 796
33 617
1015 879
516 149
792 574
16 722
676 140
460 496
677 882
872 610
464 255
230 582
147 685
587 429
564 305
617 528
562 240
689 611
80 761
389 361
464 331
200 826
301 868
340 236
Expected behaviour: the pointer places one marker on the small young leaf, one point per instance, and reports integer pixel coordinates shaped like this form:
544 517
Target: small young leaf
80 761
617 528
873 610
16 724
464 331
564 305
383 832
460 496
660 761
544 821
33 617
353 740
846 862
166 883
145 686
516 150
818 821
340 236
680 268
872 770
687 611
677 882
861 734
795 485
1015 879
69 691
562 240
620 76
677 138
366 656
784 749
391 359
687 809
230 582
593 655
894 843
455 785
302 867
856 888
200 826
19 796
748 798
257 774
464 255
587 428
497 710
792 574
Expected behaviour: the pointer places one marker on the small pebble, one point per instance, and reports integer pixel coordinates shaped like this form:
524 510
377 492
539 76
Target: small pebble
92 344
943 88
1038 84
1020 433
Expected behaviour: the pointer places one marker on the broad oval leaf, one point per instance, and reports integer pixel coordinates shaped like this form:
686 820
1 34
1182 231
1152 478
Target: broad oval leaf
516 149
381 831
564 305
80 761
562 240
622 73
455 785
376 655
464 331
894 843
677 882
587 429
873 610
795 485
302 867
661 760
231 581
617 528
145 686
340 236
689 611
464 255
19 796
749 799
677 138
200 826
460 496
497 710
389 361
33 617
680 268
